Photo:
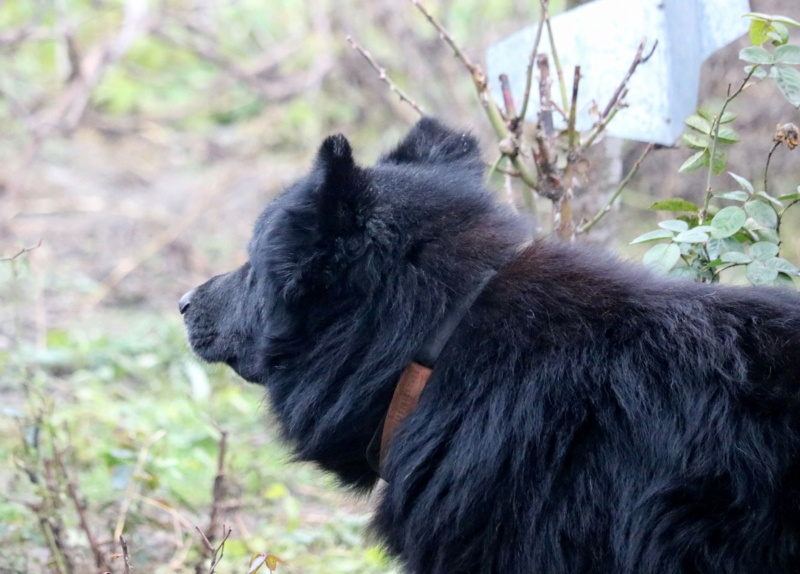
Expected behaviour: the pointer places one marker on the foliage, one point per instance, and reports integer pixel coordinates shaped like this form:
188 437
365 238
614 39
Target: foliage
137 421
741 227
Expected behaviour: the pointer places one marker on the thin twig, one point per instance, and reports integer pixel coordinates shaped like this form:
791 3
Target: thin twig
545 103
620 188
445 35
218 491
495 165
573 110
219 551
99 557
385 77
617 99
529 72
129 491
766 168
125 557
554 53
22 251
508 100
493 113
639 58
715 128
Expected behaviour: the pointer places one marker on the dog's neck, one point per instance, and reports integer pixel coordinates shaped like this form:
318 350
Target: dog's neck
414 377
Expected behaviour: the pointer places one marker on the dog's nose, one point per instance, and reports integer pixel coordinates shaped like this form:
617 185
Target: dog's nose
185 301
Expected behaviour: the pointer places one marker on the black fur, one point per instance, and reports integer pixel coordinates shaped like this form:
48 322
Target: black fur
585 417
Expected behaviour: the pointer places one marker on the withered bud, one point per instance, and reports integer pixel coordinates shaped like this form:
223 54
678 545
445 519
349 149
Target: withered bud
788 134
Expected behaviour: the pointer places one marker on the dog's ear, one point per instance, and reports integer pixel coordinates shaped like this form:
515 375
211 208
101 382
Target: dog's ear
344 199
431 142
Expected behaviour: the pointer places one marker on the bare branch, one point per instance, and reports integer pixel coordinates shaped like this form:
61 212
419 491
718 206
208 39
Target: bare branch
508 103
620 188
529 72
22 251
493 113
617 99
130 490
385 77
216 553
554 53
125 557
99 557
445 35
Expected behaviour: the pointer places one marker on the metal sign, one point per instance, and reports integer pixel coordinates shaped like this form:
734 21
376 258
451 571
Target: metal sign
602 38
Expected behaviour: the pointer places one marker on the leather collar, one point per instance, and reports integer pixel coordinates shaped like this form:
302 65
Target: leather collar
414 377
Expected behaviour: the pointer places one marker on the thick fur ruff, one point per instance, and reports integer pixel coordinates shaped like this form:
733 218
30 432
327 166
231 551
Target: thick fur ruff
585 417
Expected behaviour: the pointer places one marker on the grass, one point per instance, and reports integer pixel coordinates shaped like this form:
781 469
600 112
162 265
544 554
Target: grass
137 422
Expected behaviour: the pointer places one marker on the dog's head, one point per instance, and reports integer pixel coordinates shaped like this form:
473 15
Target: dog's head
342 237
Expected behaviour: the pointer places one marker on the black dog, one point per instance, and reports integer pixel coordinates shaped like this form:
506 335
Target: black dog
584 416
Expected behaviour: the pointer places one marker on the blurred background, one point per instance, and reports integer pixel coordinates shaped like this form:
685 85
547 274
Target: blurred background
140 140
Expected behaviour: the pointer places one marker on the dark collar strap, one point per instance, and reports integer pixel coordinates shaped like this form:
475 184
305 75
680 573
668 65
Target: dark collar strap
414 377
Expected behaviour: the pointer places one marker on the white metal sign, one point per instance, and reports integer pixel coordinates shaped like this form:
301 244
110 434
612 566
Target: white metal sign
602 37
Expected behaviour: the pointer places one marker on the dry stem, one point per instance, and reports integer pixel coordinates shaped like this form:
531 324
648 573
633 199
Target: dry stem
385 77
620 188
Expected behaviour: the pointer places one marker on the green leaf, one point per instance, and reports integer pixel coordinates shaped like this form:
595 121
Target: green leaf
674 204
728 221
762 213
783 280
728 135
746 185
785 20
780 264
726 118
694 140
789 197
788 80
691 236
662 257
764 250
758 32
755 55
767 234
674 225
769 198
778 33
759 274
700 124
735 257
788 54
653 236
697 161
734 195
758 16
684 272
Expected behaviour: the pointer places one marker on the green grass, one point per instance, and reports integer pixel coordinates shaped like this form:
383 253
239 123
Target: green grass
138 419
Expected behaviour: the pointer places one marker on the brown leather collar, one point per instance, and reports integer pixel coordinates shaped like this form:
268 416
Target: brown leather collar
414 377
404 401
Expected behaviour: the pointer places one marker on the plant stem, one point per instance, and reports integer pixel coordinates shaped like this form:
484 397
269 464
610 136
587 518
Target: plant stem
559 71
620 188
531 61
766 169
715 127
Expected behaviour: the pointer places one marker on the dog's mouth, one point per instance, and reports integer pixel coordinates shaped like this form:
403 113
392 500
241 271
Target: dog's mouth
205 345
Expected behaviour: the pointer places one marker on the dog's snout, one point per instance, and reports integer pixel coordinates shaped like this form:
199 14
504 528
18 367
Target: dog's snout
185 301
